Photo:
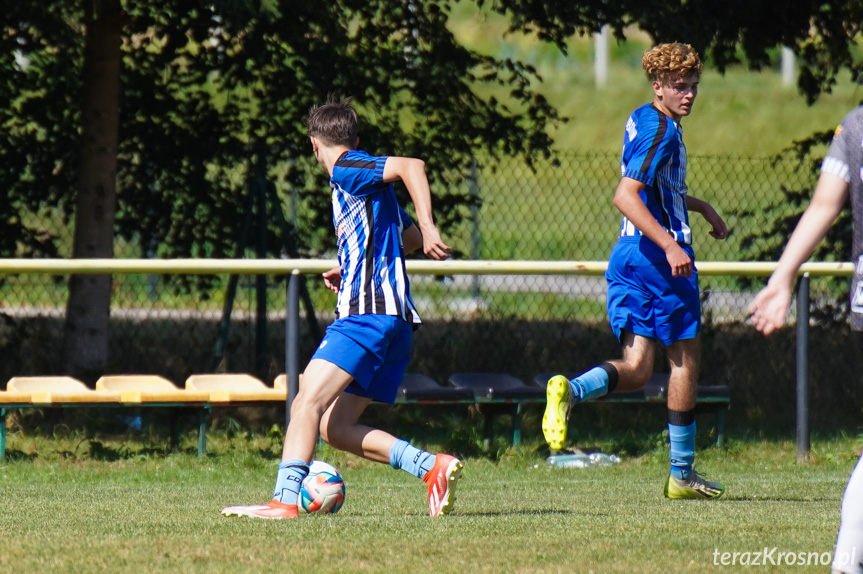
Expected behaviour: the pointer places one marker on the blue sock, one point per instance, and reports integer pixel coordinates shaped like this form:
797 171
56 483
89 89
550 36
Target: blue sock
288 480
410 459
682 438
592 384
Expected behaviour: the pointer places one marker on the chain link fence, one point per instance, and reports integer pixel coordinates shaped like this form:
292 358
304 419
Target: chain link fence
560 209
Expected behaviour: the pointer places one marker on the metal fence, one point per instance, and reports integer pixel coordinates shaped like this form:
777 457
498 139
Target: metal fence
522 324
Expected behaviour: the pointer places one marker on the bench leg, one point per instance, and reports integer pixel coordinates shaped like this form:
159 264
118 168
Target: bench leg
202 431
516 426
175 438
488 428
720 427
2 435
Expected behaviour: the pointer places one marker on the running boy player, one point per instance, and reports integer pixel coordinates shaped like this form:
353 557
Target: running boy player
652 281
364 353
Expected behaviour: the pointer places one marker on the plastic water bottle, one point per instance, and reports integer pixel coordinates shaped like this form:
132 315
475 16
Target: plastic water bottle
602 459
569 461
582 460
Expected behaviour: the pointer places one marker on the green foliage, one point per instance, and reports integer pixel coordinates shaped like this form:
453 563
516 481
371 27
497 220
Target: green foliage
823 35
156 512
779 219
208 89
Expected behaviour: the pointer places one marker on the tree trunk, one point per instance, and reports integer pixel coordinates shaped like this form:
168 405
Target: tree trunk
88 308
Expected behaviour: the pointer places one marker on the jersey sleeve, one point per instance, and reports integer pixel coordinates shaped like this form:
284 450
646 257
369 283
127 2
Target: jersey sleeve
360 176
648 145
837 161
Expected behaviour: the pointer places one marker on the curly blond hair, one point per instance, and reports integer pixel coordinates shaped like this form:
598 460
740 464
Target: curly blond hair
666 62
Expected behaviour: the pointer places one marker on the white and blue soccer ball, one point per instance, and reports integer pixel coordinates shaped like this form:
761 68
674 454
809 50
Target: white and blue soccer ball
323 490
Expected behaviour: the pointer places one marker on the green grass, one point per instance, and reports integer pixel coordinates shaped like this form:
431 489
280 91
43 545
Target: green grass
139 509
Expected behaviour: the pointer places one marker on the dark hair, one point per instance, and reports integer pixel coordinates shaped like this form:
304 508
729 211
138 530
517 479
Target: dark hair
334 122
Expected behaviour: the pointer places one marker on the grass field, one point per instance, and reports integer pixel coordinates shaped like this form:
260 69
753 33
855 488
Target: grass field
79 505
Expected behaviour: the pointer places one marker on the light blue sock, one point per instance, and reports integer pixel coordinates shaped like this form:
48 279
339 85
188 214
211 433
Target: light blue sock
410 459
682 440
288 480
590 385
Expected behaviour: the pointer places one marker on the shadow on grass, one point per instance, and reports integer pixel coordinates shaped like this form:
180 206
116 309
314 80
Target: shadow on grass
20 456
748 499
541 512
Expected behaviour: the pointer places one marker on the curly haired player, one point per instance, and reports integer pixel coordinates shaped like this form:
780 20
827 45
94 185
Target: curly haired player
652 281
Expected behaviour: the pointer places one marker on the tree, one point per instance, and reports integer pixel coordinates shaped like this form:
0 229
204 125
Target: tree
87 311
204 84
824 35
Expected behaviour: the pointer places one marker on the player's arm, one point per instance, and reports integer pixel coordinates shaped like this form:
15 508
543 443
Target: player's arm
412 239
769 307
333 279
719 231
627 200
412 172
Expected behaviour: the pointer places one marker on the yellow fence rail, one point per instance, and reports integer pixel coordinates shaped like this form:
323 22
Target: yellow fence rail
419 267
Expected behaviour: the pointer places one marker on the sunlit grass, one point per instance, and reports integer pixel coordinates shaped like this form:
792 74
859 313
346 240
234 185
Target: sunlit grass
145 510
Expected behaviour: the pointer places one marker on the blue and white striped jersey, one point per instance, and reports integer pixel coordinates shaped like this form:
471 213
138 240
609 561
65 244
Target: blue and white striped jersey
369 223
654 154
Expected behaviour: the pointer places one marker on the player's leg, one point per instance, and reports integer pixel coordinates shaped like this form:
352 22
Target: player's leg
340 427
848 557
628 373
322 382
683 481
630 317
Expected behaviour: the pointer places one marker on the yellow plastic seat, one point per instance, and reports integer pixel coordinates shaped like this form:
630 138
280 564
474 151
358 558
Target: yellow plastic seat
149 389
47 390
281 381
14 398
229 388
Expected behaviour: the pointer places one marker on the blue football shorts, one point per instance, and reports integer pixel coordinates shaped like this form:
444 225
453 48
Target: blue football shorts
374 349
643 297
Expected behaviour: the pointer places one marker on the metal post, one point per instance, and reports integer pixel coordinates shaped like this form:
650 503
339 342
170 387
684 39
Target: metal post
788 67
260 183
202 430
2 435
474 230
292 342
225 323
600 64
803 369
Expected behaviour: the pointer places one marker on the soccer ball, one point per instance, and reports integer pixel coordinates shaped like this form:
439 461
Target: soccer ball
323 490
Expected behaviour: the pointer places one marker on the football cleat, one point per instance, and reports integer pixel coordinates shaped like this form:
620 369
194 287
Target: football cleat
273 510
441 481
693 486
558 396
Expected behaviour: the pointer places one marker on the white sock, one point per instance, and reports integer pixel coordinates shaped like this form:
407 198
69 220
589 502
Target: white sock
848 557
